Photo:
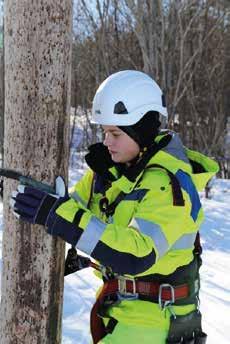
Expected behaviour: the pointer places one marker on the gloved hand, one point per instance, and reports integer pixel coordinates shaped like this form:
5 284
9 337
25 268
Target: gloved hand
35 206
99 160
75 262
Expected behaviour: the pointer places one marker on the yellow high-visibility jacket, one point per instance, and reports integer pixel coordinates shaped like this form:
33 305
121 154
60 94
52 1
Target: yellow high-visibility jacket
147 234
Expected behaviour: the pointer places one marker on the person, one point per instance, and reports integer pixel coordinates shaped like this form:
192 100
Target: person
137 212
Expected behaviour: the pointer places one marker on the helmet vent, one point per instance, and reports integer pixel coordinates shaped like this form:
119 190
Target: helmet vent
120 108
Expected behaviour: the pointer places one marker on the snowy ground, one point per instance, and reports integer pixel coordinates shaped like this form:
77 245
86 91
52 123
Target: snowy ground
215 277
215 293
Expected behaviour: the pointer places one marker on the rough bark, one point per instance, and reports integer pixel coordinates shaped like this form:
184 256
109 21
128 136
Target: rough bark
37 90
1 98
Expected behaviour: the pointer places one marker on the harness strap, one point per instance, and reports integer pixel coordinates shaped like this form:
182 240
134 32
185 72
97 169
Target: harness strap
178 200
109 209
197 245
97 327
165 293
151 289
176 189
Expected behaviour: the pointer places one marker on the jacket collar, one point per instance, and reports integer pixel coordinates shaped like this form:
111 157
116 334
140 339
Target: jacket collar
130 176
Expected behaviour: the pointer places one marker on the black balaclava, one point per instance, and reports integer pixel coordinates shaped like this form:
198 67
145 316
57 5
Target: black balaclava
145 130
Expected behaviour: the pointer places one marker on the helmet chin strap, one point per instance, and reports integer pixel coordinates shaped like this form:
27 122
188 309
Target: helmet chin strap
137 158
139 163
133 161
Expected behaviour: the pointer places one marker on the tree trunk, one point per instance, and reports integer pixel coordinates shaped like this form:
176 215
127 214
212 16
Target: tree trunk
37 91
1 98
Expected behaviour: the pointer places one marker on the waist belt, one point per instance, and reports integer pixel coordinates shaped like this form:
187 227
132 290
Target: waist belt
164 294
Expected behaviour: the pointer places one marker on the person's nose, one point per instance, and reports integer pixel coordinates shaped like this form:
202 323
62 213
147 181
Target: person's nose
107 140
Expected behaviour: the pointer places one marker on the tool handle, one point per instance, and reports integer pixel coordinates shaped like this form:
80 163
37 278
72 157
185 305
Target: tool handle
28 181
12 174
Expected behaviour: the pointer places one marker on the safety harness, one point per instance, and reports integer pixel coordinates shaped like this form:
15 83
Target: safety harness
121 288
117 288
183 329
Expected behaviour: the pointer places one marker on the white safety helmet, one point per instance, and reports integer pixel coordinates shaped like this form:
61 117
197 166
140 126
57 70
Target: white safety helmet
125 97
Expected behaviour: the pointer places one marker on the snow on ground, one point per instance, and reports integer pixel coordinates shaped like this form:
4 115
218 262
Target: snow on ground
80 287
215 277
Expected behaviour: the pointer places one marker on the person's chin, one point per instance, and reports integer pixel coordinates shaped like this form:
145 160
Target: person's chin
115 157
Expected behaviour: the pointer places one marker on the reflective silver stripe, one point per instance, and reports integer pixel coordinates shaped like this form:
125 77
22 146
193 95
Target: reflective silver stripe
175 148
77 198
184 242
154 231
91 235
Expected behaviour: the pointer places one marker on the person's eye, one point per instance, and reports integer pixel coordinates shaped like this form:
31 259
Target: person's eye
116 134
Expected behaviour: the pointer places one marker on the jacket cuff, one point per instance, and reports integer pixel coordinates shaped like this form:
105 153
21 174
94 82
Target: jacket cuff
68 231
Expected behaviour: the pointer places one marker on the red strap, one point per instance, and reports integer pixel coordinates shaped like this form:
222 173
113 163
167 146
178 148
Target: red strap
97 326
150 289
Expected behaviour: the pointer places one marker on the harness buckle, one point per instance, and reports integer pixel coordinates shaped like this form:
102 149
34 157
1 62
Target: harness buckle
163 304
122 293
106 272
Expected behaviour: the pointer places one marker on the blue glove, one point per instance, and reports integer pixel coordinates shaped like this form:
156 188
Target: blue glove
35 206
38 207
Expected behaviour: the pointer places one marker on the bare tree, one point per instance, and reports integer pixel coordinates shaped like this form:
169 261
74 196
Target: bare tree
148 22
1 87
184 45
1 104
206 89
37 90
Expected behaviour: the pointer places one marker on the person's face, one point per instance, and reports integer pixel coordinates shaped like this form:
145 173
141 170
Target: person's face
121 146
